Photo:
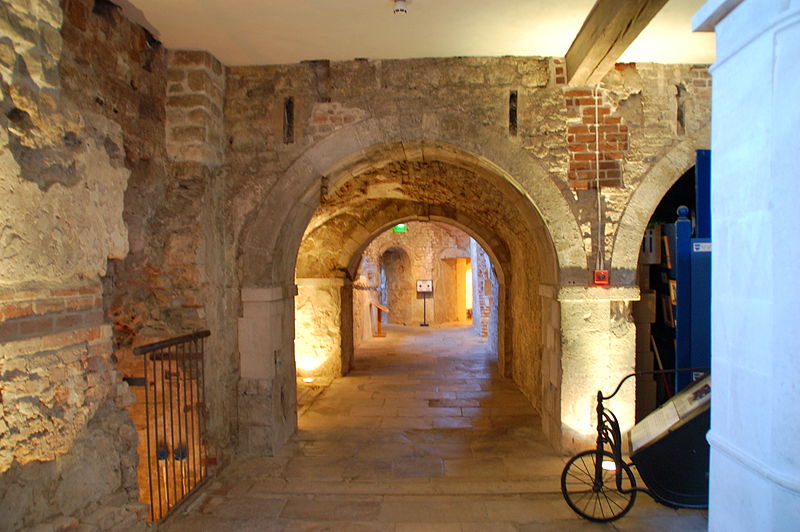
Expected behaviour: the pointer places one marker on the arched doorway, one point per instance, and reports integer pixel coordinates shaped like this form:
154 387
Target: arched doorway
396 284
444 254
488 208
369 192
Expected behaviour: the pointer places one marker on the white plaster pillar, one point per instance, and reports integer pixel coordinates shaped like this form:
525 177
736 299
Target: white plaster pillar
598 348
755 415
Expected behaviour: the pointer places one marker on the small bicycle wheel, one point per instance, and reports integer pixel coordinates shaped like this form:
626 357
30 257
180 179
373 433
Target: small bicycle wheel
600 502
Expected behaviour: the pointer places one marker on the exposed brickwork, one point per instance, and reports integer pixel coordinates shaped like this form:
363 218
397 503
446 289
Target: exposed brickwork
594 128
701 78
56 370
28 313
560 67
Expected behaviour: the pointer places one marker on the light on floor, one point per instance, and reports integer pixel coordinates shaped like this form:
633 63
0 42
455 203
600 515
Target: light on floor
308 379
609 465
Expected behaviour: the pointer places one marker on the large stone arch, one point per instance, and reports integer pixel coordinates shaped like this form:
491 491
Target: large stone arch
493 248
273 234
643 202
340 257
335 283
372 143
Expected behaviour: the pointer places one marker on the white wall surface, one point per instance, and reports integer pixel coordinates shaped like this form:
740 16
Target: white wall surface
755 420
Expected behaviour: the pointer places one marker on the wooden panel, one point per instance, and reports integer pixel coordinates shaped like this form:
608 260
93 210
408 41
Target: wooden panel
612 25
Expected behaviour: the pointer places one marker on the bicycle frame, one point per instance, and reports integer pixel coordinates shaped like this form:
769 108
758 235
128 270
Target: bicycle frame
608 431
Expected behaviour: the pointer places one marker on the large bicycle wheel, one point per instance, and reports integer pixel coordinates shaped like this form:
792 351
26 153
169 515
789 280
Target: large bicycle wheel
600 502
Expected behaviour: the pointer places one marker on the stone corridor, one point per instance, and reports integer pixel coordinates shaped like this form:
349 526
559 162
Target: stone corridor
423 435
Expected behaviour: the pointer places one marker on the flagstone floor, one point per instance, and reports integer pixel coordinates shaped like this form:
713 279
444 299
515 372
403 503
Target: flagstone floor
423 435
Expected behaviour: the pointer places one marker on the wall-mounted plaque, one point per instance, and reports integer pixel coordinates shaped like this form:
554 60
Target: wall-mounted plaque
425 286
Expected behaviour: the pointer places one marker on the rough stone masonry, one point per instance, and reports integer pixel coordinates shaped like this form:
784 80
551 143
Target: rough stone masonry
146 193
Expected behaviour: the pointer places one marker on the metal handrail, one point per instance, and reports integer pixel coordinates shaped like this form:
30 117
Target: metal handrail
142 349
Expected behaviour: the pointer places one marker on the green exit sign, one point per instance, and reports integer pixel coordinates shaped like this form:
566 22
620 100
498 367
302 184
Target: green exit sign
400 228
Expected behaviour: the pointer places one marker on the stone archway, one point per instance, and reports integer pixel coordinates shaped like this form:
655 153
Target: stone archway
369 204
396 282
265 262
643 203
371 144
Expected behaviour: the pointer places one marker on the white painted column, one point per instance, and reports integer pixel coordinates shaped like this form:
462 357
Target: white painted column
755 415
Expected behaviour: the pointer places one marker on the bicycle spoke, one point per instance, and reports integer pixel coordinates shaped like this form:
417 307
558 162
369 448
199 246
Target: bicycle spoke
583 467
596 504
610 501
586 494
584 482
596 497
592 500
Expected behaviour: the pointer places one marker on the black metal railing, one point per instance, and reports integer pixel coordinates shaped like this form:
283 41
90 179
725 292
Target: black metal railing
174 420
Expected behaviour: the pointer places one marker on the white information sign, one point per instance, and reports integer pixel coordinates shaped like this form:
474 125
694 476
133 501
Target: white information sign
425 285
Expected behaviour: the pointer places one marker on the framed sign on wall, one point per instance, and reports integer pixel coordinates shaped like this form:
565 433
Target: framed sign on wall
425 286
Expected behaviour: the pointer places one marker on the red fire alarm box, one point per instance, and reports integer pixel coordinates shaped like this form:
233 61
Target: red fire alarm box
601 277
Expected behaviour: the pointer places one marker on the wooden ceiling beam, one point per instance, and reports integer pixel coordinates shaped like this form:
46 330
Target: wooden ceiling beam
612 25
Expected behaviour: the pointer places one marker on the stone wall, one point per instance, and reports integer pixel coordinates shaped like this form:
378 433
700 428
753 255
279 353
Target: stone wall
650 108
195 93
110 146
67 455
484 294
173 279
397 287
657 108
110 239
366 290
318 331
425 245
361 117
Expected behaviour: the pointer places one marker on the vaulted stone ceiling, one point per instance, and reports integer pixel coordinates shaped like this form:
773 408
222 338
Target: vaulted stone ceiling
492 211
249 32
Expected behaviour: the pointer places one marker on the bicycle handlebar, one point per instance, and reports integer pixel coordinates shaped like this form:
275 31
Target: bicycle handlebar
654 372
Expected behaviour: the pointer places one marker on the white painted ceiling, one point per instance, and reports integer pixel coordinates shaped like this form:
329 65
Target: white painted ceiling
256 32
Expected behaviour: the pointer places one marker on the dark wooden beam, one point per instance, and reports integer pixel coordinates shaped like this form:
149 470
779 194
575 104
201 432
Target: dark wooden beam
612 25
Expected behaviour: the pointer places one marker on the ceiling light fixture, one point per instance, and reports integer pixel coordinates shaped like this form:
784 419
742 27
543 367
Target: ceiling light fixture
400 7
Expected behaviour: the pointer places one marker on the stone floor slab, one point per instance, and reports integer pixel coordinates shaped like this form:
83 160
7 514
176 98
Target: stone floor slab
423 435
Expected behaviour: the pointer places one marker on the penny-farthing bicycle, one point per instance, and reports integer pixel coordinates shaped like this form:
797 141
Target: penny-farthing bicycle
669 450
